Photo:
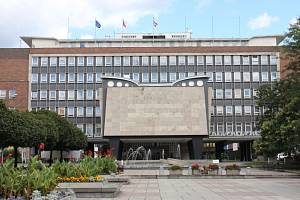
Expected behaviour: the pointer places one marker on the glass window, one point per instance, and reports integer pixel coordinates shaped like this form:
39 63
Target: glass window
191 74
264 76
80 78
154 77
71 111
238 127
71 94
181 75
219 110
126 61
34 95
227 76
35 61
135 61
61 111
237 76
108 61
237 93
191 60
227 60
80 111
71 61
89 130
246 76
218 60
62 78
89 77
254 60
80 61
247 127
219 77
145 77
200 60
89 111
98 130
236 60
163 60
181 60
273 60
209 60
44 61
126 75
219 93
12 93
256 110
43 94
163 77
228 93
254 92
80 126
245 60
90 61
80 94
145 60
211 76
98 112
273 76
247 93
61 95
44 78
98 77
228 110
255 76
154 60
172 76
136 77
247 110
89 94
62 61
264 60
172 60
238 110
99 61
34 78
52 94
229 127
52 78
117 61
220 128
71 78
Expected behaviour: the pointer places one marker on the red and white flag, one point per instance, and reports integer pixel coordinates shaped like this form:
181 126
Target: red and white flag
124 24
155 24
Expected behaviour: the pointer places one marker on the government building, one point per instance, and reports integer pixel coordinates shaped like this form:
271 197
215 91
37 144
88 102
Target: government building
178 96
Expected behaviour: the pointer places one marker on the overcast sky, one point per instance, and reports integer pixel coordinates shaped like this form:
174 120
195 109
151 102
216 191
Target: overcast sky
205 18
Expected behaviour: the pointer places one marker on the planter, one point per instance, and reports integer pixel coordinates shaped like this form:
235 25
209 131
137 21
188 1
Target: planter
233 172
196 172
175 172
213 172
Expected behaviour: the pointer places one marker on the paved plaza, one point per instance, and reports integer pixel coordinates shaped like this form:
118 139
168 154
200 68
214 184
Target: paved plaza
211 189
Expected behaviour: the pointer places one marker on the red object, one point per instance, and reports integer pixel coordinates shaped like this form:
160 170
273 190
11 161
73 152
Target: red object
42 146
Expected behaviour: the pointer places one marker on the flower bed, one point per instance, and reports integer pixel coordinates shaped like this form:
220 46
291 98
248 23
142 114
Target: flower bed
80 179
233 169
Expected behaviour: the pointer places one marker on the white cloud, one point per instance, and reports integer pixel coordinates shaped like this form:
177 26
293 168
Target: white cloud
262 21
294 20
49 17
203 3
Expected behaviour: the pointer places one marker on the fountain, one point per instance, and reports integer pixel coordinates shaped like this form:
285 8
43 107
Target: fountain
178 152
163 154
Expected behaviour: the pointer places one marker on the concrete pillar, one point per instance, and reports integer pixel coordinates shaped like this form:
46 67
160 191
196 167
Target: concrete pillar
197 144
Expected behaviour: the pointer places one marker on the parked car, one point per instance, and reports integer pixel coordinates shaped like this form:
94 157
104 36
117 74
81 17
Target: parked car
281 156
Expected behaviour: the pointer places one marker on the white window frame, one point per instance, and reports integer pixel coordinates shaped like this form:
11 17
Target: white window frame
237 93
61 95
52 94
247 110
98 77
264 60
44 61
200 60
52 78
154 77
44 78
172 60
71 94
163 61
135 61
181 60
99 61
35 78
71 61
163 77
145 77
145 60
70 111
246 60
62 77
62 61
71 78
209 60
246 77
274 76
136 77
43 94
255 60
35 61
89 94
126 61
34 95
227 60
90 61
108 60
219 77
229 110
172 76
219 93
228 77
236 60
247 93
255 76
237 76
78 96
154 60
80 111
80 78
191 60
219 110
264 76
218 60
89 111
238 110
228 93
89 77
273 60
80 61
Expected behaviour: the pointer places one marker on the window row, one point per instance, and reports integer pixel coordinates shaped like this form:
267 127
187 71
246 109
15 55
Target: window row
241 76
63 78
79 111
238 93
155 60
11 94
65 95
233 127
235 110
88 129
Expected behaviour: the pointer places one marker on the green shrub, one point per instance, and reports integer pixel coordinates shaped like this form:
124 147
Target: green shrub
175 167
232 167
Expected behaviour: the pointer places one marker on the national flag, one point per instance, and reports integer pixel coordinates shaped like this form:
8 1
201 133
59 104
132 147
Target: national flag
155 24
124 24
97 24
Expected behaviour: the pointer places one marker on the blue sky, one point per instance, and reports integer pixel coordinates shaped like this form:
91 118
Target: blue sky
48 18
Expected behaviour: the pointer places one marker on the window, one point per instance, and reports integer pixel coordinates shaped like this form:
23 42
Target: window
44 61
61 95
191 74
136 77
209 60
273 60
126 61
228 110
212 110
52 94
3 94
145 77
98 77
228 93
62 61
80 111
35 61
145 60
163 77
108 61
126 75
191 60
247 110
71 78
247 127
34 95
227 60
89 130
273 76
71 61
229 127
254 92
62 78
117 74
89 111
200 60
80 94
52 78
237 76
237 93
135 61
254 60
256 110
238 127
181 75
98 112
238 110
90 77
80 126
219 94
264 60
80 61
90 61
71 111
264 76
117 61
163 60
220 128
43 78
154 60
247 93
210 75
181 60
43 94
89 94
71 95
172 60
236 60
98 130
246 76
154 77
219 77
99 61
245 60
61 111
172 76
255 76
227 76
218 60
34 78
219 110
80 78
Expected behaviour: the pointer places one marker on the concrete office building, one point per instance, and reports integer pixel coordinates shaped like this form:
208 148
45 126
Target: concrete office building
86 81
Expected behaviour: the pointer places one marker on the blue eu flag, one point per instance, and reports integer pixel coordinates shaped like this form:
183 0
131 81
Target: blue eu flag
97 24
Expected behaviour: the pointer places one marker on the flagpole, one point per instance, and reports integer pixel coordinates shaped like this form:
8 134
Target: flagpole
122 31
95 31
68 36
153 31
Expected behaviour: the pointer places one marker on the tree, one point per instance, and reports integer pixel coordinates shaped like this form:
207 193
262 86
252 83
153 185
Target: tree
280 124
